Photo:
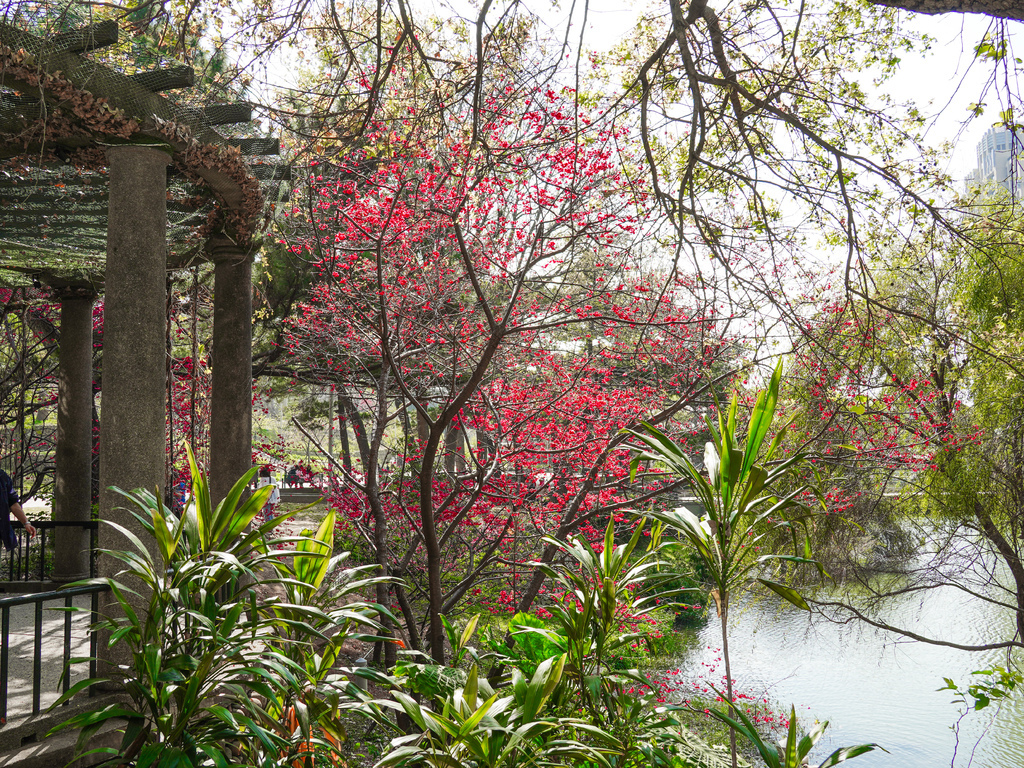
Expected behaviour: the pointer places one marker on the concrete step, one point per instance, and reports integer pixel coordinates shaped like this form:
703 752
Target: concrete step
24 743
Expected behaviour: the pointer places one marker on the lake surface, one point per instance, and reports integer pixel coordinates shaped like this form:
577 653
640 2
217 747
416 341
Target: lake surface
870 685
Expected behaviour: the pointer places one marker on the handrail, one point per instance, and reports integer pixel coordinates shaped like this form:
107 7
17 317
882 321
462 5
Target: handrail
21 552
66 595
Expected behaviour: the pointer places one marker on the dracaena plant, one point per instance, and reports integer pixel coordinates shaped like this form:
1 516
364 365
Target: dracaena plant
599 588
743 506
573 708
603 586
476 726
320 611
204 654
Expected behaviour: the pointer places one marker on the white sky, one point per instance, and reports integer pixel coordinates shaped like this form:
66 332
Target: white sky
943 83
946 82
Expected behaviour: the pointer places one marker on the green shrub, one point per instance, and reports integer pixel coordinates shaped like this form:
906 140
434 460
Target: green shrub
215 676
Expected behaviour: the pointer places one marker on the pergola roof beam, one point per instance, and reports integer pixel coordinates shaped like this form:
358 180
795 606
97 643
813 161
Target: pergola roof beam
75 213
122 93
61 224
80 179
228 114
169 78
89 38
12 197
50 199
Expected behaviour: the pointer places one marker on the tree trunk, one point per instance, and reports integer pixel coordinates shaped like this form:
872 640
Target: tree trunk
728 674
429 439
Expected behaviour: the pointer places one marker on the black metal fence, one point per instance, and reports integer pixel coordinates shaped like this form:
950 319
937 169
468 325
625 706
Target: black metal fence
25 639
32 559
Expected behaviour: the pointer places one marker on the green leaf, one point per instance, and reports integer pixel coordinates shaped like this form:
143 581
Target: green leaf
467 632
787 593
845 753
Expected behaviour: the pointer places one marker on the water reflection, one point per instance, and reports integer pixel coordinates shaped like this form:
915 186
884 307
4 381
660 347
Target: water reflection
869 685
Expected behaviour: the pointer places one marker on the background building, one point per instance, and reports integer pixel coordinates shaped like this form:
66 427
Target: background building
1000 161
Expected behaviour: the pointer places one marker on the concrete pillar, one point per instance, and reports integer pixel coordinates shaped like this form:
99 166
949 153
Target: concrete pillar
72 498
132 417
231 397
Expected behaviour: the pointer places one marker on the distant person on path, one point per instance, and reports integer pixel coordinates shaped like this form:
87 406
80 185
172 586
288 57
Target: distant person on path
267 478
10 503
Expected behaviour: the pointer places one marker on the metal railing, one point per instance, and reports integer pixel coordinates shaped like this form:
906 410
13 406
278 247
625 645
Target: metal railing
16 665
33 558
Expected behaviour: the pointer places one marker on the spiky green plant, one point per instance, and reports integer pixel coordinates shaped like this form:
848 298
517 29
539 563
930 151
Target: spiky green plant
741 508
791 751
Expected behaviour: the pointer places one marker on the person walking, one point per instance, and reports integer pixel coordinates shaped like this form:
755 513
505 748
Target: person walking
10 504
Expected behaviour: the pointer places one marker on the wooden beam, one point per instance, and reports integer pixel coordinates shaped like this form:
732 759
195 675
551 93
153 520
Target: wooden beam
260 146
90 38
39 206
19 253
90 181
20 217
155 114
13 210
226 114
159 80
34 223
121 92
10 197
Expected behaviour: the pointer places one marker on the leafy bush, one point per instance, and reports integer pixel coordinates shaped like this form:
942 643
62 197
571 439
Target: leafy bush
214 676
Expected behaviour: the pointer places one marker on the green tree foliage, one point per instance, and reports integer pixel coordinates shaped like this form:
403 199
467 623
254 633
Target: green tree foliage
217 673
924 400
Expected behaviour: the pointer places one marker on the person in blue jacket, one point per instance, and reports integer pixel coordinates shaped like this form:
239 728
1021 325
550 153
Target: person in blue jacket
10 503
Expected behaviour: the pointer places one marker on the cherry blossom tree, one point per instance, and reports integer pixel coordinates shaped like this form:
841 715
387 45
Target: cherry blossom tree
492 313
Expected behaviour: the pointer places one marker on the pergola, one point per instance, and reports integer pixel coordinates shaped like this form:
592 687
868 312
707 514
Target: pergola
105 185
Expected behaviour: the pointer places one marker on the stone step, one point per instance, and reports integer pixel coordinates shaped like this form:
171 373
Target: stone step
300 495
24 744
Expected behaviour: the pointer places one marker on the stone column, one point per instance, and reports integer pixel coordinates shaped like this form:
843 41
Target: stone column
231 398
132 417
72 498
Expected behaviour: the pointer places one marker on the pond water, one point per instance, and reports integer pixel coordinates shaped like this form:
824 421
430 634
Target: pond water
870 685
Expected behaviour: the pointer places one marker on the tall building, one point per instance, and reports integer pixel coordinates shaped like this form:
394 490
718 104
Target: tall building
1000 161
